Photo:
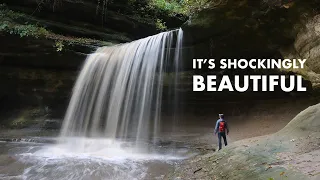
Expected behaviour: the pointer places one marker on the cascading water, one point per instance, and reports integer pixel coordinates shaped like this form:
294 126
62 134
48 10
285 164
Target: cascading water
119 90
113 116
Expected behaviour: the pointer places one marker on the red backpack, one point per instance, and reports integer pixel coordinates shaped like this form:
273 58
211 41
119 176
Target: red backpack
222 126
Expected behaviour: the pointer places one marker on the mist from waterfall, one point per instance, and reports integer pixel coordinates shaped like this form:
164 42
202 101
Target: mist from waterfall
118 94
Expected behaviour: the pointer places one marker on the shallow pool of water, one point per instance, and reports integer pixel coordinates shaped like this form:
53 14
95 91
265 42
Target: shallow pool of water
87 158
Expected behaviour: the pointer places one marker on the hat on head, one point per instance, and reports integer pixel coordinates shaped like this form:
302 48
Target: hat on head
221 116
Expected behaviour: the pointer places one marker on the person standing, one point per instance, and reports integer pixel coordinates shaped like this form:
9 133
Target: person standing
222 130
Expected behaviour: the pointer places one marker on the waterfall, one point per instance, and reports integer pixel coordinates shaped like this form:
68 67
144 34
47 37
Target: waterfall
123 102
118 93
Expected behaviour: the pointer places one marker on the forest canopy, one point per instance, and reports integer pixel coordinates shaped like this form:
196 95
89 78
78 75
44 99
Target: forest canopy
185 7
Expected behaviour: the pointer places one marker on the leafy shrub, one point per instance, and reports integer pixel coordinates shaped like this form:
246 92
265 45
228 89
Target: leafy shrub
161 25
185 7
59 45
173 7
8 24
23 30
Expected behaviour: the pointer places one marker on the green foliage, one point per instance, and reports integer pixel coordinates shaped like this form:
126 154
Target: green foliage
8 24
192 6
185 7
4 25
161 25
23 30
62 42
172 7
6 14
59 45
27 30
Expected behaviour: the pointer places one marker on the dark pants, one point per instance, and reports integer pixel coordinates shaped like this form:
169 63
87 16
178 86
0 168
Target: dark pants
223 135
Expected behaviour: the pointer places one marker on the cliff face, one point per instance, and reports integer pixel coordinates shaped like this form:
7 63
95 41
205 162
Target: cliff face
307 43
257 29
250 28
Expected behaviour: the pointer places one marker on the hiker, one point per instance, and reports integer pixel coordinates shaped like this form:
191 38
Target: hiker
221 127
